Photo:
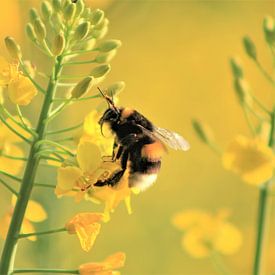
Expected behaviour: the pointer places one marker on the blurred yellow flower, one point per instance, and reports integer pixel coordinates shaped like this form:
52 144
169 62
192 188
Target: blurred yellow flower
106 267
205 233
92 132
86 226
20 89
78 181
9 148
252 159
34 213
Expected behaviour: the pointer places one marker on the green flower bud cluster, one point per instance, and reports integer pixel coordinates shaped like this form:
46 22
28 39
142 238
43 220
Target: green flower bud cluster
241 85
66 26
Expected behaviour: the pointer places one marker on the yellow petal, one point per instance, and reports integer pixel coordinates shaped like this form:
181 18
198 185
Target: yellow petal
10 165
5 223
114 261
88 156
67 178
86 226
34 212
228 239
87 235
195 243
26 228
8 71
252 159
190 218
21 90
83 219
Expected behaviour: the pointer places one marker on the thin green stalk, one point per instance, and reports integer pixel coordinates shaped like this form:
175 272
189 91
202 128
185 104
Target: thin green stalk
14 131
8 187
53 231
65 130
265 74
80 62
25 71
22 124
45 271
250 124
13 157
10 176
219 264
55 144
263 199
81 52
77 99
26 127
44 185
9 250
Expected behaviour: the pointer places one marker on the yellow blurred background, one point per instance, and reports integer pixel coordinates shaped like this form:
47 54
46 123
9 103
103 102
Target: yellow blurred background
174 60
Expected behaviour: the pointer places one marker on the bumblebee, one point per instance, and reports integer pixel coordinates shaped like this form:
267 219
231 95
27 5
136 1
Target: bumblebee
138 145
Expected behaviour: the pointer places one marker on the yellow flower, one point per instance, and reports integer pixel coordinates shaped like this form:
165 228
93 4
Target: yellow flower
252 159
9 148
20 89
34 213
106 267
205 233
92 132
78 181
86 226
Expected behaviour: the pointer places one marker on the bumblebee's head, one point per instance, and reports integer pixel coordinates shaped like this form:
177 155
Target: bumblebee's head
112 114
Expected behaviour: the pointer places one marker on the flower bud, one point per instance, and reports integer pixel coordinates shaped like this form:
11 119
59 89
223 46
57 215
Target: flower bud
56 5
79 8
250 47
269 30
99 33
105 57
88 45
58 44
33 14
30 32
101 71
203 132
236 67
46 10
82 31
13 48
40 29
87 13
115 88
109 45
82 87
69 12
242 89
96 17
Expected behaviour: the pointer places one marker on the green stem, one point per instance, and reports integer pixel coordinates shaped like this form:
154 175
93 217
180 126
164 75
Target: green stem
44 185
53 231
55 144
263 199
248 120
8 187
9 250
65 130
45 271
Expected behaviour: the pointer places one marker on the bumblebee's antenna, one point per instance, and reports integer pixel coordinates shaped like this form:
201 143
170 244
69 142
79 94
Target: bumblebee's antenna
108 99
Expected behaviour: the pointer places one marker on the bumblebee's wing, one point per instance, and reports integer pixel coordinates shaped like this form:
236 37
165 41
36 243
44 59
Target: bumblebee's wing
172 139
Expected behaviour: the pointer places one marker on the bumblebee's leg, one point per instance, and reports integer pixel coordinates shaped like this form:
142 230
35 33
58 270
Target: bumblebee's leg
113 157
118 175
